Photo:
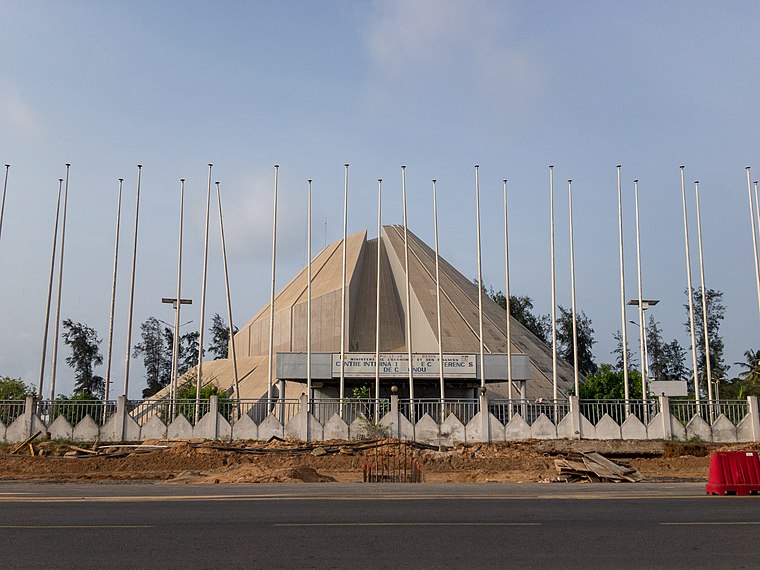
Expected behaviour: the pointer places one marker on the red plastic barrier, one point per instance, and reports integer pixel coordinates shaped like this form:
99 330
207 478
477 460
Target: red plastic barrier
734 473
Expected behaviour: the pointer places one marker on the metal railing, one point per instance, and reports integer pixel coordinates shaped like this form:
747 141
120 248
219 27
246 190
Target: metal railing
10 410
259 409
463 409
74 411
709 410
529 410
349 409
619 410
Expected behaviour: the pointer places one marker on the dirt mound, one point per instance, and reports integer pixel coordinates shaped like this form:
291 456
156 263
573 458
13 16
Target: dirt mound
196 461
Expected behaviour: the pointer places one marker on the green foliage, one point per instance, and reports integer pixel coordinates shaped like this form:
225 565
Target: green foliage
156 358
14 389
186 392
609 384
361 392
716 311
618 352
585 333
85 355
220 337
75 407
521 309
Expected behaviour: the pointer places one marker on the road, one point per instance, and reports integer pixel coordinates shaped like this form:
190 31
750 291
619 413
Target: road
375 526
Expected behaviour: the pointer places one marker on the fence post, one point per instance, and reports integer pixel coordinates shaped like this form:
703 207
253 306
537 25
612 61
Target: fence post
121 416
213 409
395 431
755 415
575 414
667 425
305 431
485 417
28 416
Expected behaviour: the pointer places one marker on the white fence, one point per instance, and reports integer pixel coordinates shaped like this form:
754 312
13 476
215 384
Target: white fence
439 422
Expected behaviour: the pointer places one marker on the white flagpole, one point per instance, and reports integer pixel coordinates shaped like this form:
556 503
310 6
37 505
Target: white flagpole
506 296
343 293
271 293
708 367
689 291
2 205
642 321
130 314
757 207
624 322
229 298
572 290
202 324
438 300
554 302
50 291
408 301
308 299
377 300
480 286
754 236
107 392
57 322
178 299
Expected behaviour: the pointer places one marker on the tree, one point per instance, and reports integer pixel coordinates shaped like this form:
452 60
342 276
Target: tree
618 353
14 389
609 384
586 364
716 311
188 352
156 359
220 337
521 308
667 361
85 355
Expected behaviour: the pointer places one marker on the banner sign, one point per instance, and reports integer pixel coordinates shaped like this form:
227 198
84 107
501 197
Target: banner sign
396 364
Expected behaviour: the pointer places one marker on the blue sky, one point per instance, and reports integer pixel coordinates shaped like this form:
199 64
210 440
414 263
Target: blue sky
439 86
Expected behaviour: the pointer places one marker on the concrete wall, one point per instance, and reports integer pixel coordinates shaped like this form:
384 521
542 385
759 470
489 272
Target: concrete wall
482 427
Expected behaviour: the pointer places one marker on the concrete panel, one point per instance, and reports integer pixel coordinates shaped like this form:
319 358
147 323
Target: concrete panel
607 428
426 430
112 430
543 428
723 431
2 431
566 429
86 430
390 422
316 431
697 427
154 428
18 430
678 431
357 430
452 431
61 429
588 430
517 429
654 429
269 427
474 429
180 428
295 427
496 428
336 428
744 431
245 428
405 428
633 428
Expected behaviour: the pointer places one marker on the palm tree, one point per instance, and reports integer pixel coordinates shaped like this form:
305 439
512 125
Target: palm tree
752 364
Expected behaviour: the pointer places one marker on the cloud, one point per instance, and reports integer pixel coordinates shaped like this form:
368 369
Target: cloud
451 40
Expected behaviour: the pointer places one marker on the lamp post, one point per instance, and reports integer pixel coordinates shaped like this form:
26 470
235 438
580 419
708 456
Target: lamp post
643 305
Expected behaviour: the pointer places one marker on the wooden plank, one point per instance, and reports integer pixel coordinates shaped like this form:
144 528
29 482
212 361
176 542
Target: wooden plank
24 443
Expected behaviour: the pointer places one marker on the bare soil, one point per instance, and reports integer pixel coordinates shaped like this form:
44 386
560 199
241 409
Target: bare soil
290 461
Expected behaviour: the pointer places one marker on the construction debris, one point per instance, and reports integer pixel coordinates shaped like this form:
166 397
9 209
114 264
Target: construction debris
593 468
26 443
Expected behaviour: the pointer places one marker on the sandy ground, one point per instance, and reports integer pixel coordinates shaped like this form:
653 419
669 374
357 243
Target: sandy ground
286 461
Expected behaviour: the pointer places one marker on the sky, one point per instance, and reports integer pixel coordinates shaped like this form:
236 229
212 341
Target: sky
437 85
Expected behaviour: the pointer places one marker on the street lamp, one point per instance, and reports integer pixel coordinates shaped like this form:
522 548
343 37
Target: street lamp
645 304
175 336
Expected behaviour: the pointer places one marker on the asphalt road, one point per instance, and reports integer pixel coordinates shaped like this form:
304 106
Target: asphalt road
375 526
